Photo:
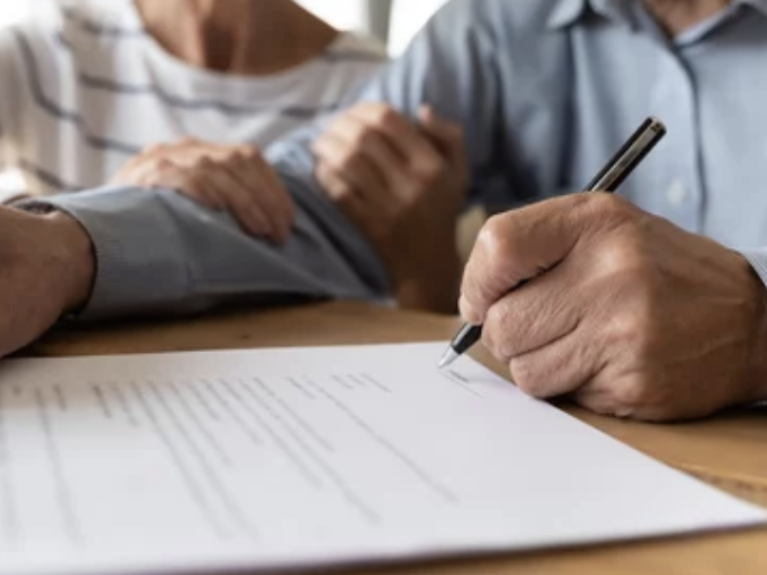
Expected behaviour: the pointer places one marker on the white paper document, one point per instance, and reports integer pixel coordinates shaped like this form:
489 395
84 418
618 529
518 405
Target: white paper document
202 462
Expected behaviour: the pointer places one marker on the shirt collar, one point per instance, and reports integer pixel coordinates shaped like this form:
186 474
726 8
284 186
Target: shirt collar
568 12
760 5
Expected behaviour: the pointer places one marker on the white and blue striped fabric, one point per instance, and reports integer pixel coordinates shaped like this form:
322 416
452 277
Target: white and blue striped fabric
83 88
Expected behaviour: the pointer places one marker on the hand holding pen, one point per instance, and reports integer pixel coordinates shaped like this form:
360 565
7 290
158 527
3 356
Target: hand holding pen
620 166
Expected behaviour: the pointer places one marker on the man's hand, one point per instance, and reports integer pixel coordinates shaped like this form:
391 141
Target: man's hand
46 270
232 178
623 311
403 185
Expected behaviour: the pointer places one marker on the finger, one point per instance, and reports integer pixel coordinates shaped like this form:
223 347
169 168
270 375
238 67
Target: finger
166 174
265 190
275 183
151 173
402 135
235 198
191 142
623 396
362 177
534 315
624 392
559 368
188 151
208 180
448 136
137 171
522 244
359 139
343 195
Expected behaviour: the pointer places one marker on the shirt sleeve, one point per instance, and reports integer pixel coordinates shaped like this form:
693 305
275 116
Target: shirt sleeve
160 253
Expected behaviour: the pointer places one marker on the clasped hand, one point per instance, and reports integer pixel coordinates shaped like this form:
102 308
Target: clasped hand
401 182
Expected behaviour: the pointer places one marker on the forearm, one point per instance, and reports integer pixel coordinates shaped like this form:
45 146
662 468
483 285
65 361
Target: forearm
438 293
160 253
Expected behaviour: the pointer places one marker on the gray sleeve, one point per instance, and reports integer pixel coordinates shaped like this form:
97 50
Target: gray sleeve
452 66
161 253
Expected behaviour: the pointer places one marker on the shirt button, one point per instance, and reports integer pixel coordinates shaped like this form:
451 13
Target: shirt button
677 193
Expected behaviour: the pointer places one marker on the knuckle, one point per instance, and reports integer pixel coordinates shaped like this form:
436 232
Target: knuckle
634 332
347 160
490 342
490 330
630 394
202 163
526 376
604 203
364 137
247 152
385 116
154 149
429 173
610 211
320 146
499 332
323 175
164 164
495 240
639 392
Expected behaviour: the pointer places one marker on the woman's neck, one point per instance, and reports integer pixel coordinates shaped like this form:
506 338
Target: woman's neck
244 37
676 16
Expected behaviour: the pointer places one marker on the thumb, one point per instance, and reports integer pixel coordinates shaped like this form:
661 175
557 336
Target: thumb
520 245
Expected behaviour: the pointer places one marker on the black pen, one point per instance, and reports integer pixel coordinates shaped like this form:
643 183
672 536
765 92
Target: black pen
614 173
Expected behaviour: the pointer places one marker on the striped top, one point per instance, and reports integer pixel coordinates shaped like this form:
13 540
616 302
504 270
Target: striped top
83 87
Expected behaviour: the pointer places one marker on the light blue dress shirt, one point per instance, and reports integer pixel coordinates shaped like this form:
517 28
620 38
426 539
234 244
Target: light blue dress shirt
709 85
546 90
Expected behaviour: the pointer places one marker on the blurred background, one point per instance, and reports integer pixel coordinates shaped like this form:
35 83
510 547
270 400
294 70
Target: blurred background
394 22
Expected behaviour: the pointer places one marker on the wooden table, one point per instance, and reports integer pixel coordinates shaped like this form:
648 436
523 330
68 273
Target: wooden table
729 451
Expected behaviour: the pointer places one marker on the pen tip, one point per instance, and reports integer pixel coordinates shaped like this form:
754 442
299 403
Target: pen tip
447 358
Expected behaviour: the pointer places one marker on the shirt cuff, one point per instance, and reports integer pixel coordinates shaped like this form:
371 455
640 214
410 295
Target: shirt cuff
141 268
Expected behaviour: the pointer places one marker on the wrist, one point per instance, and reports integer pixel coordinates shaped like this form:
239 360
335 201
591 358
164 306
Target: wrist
71 257
433 288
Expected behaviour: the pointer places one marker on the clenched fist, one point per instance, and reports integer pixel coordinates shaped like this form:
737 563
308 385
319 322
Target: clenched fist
403 183
621 310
